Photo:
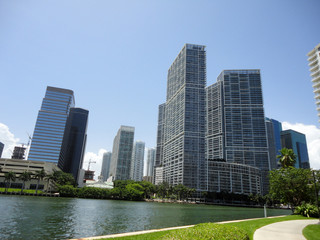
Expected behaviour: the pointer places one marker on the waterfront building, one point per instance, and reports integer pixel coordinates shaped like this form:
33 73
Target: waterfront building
50 125
184 121
274 129
160 135
122 153
18 167
236 130
158 175
297 142
151 158
233 177
74 142
18 152
137 161
1 148
314 64
106 160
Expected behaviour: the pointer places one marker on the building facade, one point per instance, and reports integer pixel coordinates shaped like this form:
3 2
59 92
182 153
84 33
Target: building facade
184 120
160 135
105 169
18 152
1 148
314 64
274 129
236 130
297 142
151 158
74 142
137 162
50 125
122 153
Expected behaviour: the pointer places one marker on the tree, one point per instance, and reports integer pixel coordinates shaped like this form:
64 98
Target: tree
291 186
39 175
24 177
134 191
149 188
8 177
287 158
49 177
62 178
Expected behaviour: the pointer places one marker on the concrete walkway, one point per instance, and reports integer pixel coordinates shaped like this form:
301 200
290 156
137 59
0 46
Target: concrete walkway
291 230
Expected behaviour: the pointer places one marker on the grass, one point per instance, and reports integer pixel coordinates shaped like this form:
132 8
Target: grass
19 190
311 232
249 227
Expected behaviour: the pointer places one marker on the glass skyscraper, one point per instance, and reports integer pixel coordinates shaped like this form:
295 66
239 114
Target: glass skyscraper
184 120
137 161
50 125
121 153
105 169
236 130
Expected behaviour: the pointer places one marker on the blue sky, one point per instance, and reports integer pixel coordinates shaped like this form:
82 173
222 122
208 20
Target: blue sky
115 55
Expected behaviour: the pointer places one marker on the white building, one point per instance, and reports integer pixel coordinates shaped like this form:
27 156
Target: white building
137 160
106 159
314 64
151 158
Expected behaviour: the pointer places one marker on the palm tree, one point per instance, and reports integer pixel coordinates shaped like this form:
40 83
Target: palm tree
8 177
25 176
39 175
49 177
287 158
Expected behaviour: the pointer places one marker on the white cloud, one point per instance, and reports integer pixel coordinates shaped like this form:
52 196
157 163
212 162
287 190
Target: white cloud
8 139
313 140
97 158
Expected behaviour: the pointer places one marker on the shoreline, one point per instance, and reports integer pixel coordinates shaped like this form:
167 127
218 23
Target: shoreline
162 229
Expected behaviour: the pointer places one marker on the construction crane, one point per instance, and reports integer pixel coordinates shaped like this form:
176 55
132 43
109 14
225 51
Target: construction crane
90 161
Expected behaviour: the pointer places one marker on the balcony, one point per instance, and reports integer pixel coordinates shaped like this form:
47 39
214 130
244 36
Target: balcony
312 57
311 64
316 80
314 69
315 74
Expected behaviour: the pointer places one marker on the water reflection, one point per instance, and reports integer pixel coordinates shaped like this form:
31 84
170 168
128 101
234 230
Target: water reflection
25 217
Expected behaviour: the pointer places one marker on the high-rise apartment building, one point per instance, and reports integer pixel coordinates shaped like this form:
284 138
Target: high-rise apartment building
105 169
297 142
136 171
160 135
314 64
50 125
274 129
184 120
122 153
74 142
18 152
236 130
151 158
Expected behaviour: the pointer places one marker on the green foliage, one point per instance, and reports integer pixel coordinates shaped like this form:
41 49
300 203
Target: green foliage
134 191
25 177
208 231
291 186
62 178
311 232
287 158
67 191
307 210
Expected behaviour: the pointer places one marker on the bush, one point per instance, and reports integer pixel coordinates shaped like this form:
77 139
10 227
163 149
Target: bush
209 231
67 191
307 210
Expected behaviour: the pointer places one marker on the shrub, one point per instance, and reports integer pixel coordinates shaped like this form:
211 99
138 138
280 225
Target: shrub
307 210
208 231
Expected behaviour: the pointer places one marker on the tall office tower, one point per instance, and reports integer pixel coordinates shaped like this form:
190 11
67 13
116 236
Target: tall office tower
314 64
151 158
18 152
49 130
1 148
105 169
137 161
297 142
274 129
184 125
160 135
122 153
74 142
236 130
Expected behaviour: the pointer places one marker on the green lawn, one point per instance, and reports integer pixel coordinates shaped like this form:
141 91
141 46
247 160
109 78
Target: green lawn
19 190
312 232
249 227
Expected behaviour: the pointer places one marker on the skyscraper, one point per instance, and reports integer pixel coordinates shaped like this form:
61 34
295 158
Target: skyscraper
74 142
314 64
160 135
1 148
297 142
274 129
236 130
105 169
122 153
50 125
151 158
184 120
136 171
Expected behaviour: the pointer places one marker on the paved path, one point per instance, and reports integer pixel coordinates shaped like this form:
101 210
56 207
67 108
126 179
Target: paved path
291 230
